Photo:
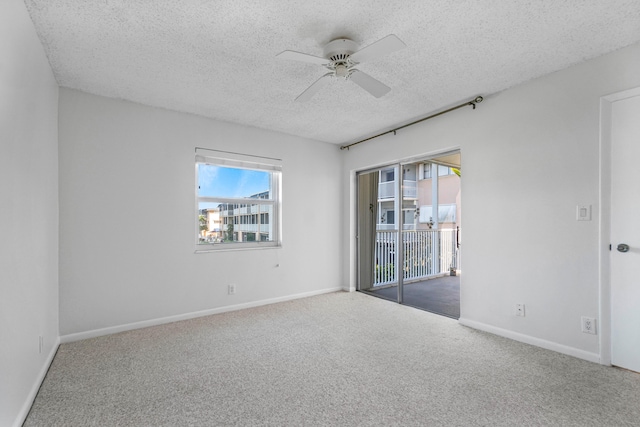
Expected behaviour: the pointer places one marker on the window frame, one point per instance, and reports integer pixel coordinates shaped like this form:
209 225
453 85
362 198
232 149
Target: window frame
246 162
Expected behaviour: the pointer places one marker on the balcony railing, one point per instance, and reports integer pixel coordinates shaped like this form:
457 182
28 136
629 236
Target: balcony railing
387 190
426 253
384 227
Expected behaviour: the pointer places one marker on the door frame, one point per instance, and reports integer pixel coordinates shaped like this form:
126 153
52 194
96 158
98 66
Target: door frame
604 251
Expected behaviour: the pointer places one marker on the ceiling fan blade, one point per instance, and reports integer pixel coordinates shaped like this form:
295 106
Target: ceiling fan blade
313 89
303 57
382 47
368 83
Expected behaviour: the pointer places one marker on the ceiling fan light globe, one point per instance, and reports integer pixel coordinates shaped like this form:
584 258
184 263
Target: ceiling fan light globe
342 70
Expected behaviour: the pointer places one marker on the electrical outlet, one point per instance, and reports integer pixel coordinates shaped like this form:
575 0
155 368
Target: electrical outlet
520 310
232 289
589 325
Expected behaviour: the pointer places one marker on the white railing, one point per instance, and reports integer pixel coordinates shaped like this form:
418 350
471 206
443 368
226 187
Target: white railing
387 190
385 227
426 253
409 189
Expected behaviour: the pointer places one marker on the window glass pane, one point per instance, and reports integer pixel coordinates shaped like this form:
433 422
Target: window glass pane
391 217
387 175
427 171
220 181
235 223
443 170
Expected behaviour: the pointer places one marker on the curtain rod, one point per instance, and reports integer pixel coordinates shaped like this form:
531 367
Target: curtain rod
476 100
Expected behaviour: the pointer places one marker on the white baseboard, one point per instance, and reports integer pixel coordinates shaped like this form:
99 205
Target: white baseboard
160 321
26 407
527 339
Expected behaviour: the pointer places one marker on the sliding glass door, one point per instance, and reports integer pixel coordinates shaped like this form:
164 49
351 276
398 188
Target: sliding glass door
409 233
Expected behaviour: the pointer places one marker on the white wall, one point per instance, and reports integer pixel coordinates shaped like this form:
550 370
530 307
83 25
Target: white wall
529 155
127 217
28 212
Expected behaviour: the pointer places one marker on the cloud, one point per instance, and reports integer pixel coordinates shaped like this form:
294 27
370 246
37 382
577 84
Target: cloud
207 177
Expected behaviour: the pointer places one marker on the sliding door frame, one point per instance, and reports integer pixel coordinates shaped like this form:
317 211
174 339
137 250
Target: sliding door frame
378 169
399 255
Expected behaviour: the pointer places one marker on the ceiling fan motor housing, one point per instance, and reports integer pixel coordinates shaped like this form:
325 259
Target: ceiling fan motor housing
339 50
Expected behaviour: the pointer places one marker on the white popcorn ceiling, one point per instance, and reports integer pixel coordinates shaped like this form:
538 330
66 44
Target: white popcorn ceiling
218 58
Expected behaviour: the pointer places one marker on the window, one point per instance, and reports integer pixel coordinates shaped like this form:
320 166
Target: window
444 170
391 217
238 202
409 217
426 171
428 168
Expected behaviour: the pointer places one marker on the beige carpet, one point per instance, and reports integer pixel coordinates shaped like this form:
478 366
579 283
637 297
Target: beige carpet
342 359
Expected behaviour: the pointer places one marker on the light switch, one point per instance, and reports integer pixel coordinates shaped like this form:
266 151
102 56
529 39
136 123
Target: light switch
583 212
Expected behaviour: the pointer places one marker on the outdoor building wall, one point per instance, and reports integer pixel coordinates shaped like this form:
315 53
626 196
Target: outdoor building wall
28 213
448 189
530 154
448 194
121 267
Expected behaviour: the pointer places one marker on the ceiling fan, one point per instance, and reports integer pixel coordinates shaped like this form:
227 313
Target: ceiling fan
341 57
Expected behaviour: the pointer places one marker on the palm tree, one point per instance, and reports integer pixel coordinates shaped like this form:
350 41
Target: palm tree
229 232
203 222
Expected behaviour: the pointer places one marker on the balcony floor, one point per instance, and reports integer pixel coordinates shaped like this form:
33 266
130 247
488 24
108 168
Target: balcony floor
440 295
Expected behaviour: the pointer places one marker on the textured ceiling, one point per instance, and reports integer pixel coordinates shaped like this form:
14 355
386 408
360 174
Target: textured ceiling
218 58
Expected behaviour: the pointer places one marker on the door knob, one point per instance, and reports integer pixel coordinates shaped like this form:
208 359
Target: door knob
623 247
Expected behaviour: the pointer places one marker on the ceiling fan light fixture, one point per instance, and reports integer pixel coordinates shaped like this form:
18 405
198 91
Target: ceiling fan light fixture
342 70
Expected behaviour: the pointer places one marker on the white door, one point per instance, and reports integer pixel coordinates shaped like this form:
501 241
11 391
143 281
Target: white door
625 230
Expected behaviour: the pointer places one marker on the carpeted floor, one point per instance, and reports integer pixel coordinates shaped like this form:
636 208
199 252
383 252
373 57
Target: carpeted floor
341 359
440 295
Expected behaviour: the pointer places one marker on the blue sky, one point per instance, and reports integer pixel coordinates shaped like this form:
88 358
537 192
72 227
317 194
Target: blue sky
218 181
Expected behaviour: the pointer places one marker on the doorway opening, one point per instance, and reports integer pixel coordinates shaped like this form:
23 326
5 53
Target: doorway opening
409 233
